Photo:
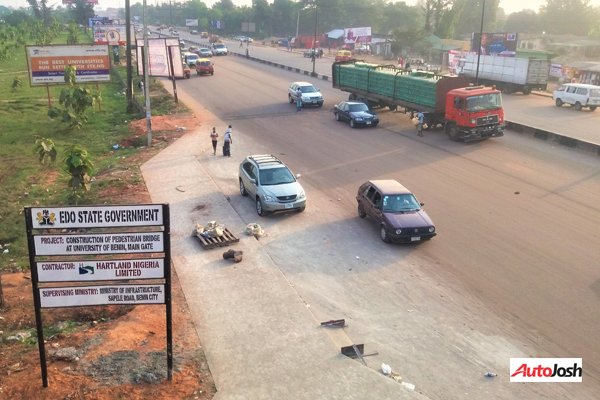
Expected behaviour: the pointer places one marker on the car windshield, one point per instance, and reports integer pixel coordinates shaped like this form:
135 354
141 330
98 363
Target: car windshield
308 89
400 203
276 176
358 107
205 63
490 101
219 46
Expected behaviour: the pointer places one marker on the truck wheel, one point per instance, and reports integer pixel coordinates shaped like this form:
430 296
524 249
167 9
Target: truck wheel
526 90
592 108
559 103
393 107
452 131
577 106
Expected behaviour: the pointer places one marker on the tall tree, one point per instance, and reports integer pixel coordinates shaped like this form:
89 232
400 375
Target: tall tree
523 21
567 16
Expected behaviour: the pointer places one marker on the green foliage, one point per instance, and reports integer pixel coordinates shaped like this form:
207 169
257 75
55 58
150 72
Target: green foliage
78 164
16 83
72 33
46 150
75 100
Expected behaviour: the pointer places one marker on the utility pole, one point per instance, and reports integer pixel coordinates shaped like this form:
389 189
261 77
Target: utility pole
129 89
147 78
479 44
314 54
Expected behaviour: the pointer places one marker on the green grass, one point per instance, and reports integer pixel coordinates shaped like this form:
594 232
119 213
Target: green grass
23 118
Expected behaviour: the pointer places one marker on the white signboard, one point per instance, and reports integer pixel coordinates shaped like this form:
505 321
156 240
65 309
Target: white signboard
101 295
100 270
191 22
47 63
110 34
159 49
112 243
97 216
357 35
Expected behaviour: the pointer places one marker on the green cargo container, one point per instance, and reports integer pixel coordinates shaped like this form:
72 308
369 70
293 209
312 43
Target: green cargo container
392 86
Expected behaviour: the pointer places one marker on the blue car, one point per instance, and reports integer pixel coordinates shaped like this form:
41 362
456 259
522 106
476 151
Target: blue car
357 113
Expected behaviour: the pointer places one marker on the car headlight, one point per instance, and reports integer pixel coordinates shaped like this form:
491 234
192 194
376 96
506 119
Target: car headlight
473 121
268 199
358 118
398 231
301 195
431 229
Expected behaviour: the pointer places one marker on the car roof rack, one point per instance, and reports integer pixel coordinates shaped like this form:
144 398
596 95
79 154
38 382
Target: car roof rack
262 159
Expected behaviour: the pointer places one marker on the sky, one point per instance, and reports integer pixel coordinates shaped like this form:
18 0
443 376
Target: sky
509 6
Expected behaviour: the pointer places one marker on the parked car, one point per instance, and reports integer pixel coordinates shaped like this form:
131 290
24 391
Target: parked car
396 210
578 95
205 66
310 94
205 52
357 113
219 49
270 184
343 55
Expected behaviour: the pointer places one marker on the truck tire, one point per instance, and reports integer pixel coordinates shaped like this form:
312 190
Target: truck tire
452 131
526 90
393 107
559 103
577 106
592 108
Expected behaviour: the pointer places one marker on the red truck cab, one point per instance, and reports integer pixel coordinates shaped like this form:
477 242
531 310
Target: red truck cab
474 113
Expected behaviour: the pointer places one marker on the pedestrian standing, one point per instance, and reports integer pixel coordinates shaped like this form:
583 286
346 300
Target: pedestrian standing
420 120
214 137
227 142
298 100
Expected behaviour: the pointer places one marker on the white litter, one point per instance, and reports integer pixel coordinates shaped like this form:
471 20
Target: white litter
386 369
408 386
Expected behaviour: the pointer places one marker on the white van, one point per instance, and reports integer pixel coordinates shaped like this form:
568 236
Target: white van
190 58
578 95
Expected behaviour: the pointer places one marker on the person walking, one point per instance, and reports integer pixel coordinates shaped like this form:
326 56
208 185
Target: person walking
214 136
227 142
420 119
298 100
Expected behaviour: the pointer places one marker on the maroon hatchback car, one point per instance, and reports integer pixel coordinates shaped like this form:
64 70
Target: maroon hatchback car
396 210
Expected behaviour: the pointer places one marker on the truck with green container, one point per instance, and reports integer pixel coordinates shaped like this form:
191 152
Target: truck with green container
466 113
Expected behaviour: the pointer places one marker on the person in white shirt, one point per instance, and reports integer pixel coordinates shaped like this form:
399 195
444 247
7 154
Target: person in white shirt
227 142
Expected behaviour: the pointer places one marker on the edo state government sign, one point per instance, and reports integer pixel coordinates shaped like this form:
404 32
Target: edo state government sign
97 216
100 270
99 243
101 295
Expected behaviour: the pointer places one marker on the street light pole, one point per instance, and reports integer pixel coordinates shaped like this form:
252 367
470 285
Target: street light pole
298 23
314 52
479 45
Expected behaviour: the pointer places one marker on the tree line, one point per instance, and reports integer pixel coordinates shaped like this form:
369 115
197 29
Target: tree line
452 19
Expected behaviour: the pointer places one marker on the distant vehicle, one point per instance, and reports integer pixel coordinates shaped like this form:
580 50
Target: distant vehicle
317 52
396 210
204 35
310 94
205 52
174 33
190 58
205 66
194 32
343 55
219 49
270 184
362 49
578 95
357 113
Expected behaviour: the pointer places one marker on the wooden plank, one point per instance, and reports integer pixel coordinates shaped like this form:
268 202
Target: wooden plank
221 241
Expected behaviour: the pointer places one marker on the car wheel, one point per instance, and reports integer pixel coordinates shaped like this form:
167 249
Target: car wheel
259 208
559 103
301 209
592 108
361 211
384 234
337 116
577 106
352 124
243 191
290 99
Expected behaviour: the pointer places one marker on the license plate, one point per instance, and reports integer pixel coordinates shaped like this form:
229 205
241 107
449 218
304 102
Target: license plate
415 238
368 122
289 205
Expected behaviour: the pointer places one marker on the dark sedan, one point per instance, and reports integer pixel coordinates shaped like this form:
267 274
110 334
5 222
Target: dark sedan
396 210
356 112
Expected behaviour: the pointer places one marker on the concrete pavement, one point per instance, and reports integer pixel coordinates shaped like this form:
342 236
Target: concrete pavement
259 336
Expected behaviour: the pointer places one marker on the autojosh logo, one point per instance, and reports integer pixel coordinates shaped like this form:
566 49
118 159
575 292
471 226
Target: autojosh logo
546 369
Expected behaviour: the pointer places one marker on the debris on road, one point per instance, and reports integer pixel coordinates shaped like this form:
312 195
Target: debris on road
255 230
214 235
386 369
334 322
490 375
408 386
235 255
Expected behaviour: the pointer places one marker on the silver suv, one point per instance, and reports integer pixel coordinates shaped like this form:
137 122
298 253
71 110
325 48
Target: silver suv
270 183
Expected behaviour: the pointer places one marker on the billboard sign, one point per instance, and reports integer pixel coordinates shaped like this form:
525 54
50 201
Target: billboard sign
75 296
100 270
191 22
47 63
110 34
357 35
501 44
159 51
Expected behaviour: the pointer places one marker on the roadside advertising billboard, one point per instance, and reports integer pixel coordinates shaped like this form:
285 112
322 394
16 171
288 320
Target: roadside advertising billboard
357 35
158 52
47 63
191 22
502 44
110 34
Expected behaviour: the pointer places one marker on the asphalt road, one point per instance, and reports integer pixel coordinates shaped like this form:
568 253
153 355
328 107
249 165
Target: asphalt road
513 271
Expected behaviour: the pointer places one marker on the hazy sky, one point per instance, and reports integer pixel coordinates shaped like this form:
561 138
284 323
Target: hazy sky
509 6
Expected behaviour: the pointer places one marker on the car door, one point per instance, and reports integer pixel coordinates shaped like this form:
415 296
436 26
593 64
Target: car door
248 176
345 112
369 203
